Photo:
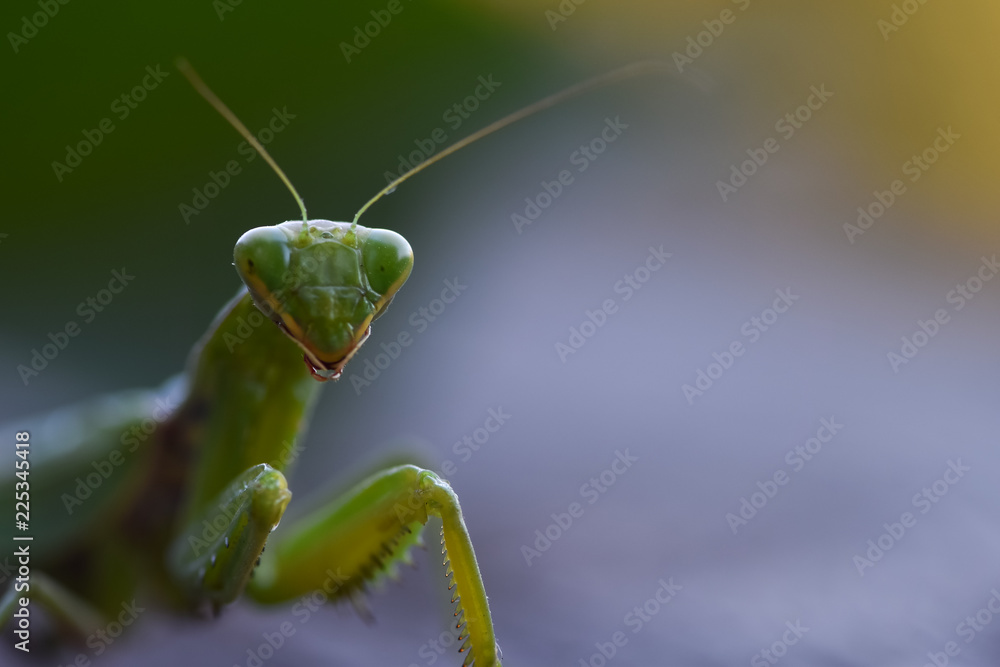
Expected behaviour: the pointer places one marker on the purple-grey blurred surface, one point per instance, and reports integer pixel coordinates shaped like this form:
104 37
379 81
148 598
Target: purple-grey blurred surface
796 562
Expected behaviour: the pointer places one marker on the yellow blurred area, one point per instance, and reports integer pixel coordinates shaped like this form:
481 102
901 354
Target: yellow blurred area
899 70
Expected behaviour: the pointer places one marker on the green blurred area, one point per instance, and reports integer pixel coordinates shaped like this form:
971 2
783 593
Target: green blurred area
120 206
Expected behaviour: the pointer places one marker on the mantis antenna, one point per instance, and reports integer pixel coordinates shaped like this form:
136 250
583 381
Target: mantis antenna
185 67
628 71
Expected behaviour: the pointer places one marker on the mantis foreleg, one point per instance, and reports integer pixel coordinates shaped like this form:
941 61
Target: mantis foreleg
363 535
214 556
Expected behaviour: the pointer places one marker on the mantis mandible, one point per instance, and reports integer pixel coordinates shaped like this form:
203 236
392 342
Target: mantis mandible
188 510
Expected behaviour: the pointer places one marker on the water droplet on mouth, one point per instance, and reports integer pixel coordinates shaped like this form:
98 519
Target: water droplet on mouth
321 374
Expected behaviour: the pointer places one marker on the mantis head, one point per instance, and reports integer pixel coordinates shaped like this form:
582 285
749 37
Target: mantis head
323 283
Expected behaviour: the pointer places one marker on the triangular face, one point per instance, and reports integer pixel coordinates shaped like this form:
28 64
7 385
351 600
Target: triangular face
323 283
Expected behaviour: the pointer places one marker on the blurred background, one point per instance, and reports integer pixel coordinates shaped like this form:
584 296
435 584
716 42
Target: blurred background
774 385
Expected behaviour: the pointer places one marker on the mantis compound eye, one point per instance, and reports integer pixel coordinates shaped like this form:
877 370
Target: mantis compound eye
388 260
262 255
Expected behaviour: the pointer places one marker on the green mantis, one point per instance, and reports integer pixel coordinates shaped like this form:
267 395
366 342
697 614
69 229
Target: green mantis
191 477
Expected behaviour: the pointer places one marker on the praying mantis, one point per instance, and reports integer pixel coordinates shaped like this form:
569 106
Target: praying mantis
191 477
